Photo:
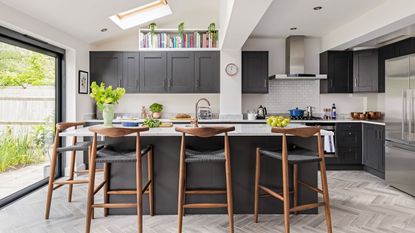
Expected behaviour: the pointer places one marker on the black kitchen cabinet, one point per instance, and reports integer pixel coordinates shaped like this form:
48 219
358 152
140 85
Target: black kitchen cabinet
153 72
107 67
255 72
207 72
180 72
338 66
131 74
348 138
365 71
374 148
404 47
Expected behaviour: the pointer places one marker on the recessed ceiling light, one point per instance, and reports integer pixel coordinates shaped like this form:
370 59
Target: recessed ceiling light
317 8
293 28
104 29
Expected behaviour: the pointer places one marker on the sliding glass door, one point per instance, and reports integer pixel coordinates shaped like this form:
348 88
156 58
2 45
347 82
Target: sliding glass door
30 104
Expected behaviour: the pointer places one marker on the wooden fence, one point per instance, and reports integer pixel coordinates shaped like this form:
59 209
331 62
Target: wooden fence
23 108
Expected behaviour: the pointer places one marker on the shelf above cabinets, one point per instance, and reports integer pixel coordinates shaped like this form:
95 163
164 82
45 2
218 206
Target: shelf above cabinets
158 72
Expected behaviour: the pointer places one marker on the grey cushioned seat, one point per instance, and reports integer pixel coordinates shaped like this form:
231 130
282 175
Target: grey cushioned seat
107 155
194 156
298 155
79 146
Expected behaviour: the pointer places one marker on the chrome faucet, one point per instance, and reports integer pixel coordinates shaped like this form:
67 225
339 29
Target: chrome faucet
197 109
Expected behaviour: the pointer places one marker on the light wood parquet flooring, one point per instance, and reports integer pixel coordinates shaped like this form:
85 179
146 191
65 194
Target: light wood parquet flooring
360 203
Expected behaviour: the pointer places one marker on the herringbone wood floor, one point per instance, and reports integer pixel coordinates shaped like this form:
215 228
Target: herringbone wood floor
360 203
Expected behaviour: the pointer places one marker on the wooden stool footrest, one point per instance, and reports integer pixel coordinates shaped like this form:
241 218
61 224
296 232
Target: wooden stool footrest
71 182
122 192
205 192
311 187
306 207
99 187
205 205
87 171
146 186
115 205
272 193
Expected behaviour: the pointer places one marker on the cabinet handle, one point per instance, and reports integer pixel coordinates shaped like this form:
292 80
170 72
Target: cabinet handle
350 133
265 83
197 83
355 82
119 83
136 83
164 84
170 84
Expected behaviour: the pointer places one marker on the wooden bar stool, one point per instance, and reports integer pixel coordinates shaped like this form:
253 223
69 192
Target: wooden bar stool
194 156
75 146
294 157
108 156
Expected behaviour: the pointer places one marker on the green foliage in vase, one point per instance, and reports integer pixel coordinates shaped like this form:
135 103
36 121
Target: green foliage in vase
156 107
152 27
105 95
180 28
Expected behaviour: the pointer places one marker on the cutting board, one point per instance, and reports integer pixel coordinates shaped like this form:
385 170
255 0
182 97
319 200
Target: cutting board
166 125
181 119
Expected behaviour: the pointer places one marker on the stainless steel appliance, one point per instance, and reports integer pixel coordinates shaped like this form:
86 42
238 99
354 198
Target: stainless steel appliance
261 113
400 123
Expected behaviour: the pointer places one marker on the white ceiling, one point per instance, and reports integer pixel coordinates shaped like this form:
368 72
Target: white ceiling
284 14
84 19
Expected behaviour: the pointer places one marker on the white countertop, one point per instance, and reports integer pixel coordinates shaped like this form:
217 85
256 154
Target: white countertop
377 122
240 130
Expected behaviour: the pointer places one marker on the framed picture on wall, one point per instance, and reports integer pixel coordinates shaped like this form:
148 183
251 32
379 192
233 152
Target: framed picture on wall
83 82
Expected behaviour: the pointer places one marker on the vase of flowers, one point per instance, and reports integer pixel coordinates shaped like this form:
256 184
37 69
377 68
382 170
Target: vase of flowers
106 98
156 110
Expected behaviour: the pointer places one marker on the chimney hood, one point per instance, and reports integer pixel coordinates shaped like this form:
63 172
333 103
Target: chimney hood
295 60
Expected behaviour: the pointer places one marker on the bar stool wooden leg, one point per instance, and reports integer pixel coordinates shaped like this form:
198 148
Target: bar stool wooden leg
325 195
71 174
229 195
184 188
51 177
139 182
286 187
150 177
106 196
90 198
181 186
295 181
257 177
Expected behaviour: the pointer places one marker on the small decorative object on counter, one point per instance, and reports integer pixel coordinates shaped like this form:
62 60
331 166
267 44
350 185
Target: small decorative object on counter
105 98
333 112
261 112
156 110
251 115
327 113
143 114
278 121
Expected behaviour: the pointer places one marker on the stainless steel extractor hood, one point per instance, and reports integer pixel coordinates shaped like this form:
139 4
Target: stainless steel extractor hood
295 60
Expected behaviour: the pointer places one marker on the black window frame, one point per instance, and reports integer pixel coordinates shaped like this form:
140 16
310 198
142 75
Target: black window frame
31 43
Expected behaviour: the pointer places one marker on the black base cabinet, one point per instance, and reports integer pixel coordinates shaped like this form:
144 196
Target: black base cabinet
348 138
374 149
158 72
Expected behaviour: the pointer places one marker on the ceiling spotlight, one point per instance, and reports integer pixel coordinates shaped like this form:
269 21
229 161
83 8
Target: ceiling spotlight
317 8
293 28
104 29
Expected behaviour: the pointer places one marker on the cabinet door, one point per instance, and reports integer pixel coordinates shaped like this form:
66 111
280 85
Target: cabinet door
106 67
348 139
207 72
381 143
153 75
403 47
371 152
340 72
131 73
180 72
365 71
255 72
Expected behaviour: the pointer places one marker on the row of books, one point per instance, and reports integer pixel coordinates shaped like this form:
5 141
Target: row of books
175 40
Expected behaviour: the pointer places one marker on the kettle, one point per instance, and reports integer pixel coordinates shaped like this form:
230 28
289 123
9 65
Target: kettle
261 112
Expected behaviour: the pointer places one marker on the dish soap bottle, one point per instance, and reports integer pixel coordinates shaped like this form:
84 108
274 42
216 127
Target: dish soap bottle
333 112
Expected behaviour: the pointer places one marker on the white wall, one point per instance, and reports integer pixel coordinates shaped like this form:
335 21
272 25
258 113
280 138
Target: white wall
284 95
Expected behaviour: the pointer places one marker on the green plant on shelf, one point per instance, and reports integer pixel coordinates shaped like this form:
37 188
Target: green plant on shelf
156 107
105 95
180 29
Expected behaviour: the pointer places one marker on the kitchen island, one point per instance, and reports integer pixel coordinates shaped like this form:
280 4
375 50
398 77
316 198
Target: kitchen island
243 142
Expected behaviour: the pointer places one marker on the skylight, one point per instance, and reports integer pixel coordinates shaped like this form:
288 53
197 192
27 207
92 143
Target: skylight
142 14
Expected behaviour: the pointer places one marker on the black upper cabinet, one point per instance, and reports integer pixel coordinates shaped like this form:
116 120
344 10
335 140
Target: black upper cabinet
180 72
153 72
338 65
255 72
131 74
107 67
207 72
374 147
365 71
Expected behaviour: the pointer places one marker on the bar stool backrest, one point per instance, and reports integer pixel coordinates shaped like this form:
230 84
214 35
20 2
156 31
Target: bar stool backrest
205 132
304 132
61 126
115 132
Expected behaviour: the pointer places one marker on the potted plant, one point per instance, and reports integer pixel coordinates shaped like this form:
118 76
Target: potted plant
105 98
156 110
152 27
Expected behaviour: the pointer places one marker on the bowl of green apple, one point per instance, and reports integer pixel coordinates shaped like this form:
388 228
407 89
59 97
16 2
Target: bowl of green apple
278 121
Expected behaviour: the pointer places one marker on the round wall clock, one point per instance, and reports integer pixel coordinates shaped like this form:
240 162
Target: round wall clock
231 69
